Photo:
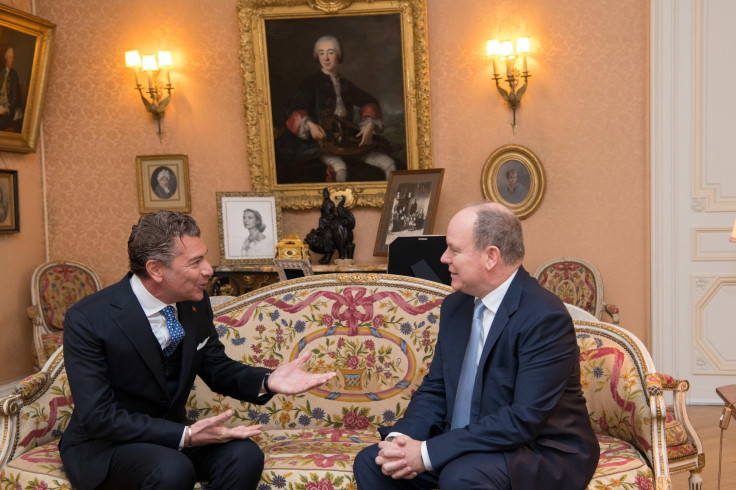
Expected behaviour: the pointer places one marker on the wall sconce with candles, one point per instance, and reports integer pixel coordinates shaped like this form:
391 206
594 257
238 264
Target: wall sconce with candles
504 51
155 102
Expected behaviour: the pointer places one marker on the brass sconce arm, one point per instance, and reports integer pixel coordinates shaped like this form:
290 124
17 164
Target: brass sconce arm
153 98
504 51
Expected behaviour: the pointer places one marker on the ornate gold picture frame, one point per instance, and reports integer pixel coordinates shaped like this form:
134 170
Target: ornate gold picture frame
383 80
514 177
249 226
163 183
26 50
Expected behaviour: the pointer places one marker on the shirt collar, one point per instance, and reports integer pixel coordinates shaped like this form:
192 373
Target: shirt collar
493 299
149 302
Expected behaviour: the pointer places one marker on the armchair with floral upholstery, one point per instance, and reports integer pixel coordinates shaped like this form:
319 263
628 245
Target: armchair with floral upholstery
626 408
55 287
577 282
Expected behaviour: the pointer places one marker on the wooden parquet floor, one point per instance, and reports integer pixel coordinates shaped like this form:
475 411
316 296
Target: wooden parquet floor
705 418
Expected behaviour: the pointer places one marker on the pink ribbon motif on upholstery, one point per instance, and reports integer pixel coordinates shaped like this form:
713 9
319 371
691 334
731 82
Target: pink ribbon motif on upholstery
55 404
352 306
627 406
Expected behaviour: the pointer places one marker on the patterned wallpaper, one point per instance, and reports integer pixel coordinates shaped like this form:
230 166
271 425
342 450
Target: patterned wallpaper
585 116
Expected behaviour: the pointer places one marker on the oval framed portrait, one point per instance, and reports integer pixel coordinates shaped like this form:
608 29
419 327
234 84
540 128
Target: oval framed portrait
514 177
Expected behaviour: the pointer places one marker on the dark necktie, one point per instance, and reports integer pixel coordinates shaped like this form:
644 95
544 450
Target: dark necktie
461 412
175 330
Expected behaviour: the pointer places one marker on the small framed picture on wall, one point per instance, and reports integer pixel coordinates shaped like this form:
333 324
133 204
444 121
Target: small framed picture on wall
249 225
514 177
9 213
163 183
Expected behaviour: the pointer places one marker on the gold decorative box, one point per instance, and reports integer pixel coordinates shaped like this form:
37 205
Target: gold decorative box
292 247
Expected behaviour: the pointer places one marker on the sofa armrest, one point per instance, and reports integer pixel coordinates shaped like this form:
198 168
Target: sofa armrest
37 411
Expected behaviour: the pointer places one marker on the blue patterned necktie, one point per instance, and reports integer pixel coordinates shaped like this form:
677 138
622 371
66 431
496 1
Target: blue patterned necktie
175 330
461 412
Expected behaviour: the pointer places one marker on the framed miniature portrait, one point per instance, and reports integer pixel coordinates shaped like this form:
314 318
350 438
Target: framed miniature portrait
163 183
9 213
249 225
25 47
301 136
411 204
514 177
292 268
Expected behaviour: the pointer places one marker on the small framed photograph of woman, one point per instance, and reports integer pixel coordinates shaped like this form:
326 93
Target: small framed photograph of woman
249 225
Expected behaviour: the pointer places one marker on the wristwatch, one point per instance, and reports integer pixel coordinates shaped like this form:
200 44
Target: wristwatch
265 384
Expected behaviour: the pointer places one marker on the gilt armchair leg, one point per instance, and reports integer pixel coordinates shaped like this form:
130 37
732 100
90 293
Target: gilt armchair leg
695 482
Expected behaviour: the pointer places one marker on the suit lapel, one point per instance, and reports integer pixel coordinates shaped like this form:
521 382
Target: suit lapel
133 322
509 305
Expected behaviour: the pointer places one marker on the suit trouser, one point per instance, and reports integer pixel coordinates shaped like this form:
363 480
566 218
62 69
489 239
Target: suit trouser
475 471
233 465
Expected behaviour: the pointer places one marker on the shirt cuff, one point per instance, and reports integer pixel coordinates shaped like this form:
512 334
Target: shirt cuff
183 435
425 457
425 453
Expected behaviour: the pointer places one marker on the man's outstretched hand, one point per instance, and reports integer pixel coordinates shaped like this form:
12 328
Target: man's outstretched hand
290 380
211 430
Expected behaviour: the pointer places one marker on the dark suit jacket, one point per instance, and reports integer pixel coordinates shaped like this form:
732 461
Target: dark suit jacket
116 375
527 400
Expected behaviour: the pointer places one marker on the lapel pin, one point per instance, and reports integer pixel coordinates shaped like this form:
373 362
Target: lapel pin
194 308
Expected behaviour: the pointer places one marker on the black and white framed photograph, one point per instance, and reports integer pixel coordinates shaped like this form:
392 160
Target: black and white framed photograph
249 225
411 204
9 213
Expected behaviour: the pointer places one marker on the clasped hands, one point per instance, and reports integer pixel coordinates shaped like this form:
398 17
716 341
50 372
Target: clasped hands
287 379
365 134
401 457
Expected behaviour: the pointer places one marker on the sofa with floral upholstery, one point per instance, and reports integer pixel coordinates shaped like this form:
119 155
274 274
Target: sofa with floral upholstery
378 332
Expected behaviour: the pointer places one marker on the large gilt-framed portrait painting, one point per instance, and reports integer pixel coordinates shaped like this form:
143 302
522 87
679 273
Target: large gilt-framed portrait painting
25 47
336 94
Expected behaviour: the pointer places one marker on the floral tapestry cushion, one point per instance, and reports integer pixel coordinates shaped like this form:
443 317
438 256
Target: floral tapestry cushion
59 288
620 466
38 468
380 341
617 401
573 283
312 459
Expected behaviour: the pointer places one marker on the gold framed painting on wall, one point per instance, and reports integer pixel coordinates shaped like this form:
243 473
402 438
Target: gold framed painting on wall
514 177
249 226
163 183
297 56
25 41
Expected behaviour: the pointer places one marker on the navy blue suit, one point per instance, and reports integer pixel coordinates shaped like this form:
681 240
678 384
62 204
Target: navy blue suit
118 383
527 400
